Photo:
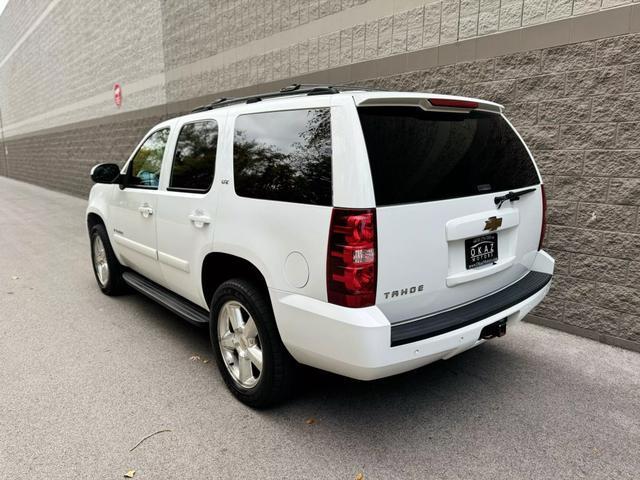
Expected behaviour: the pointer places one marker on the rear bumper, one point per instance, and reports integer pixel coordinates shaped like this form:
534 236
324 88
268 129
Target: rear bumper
499 302
359 343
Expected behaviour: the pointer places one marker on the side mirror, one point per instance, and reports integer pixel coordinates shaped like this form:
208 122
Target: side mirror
105 173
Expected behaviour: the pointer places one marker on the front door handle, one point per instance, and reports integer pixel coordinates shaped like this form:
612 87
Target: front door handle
199 219
145 210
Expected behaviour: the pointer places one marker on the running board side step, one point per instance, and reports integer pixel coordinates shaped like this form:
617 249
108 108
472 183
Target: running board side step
178 305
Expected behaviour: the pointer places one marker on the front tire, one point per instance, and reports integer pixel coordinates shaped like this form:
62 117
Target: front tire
106 267
252 360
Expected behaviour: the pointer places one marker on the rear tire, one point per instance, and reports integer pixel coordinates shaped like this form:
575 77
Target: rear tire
106 268
251 357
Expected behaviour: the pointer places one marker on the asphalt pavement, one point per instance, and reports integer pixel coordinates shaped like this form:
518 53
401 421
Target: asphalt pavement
84 377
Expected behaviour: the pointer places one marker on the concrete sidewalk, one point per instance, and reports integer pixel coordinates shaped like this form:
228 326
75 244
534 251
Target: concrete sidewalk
84 377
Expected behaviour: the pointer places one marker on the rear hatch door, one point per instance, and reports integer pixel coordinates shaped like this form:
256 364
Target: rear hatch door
437 171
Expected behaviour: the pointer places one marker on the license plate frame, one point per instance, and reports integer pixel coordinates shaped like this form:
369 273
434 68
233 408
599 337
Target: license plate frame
481 251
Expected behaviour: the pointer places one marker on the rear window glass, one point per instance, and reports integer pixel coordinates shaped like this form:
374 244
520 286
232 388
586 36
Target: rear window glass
284 156
420 156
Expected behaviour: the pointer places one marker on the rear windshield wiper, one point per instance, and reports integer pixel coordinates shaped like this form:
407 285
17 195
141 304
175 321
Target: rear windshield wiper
511 196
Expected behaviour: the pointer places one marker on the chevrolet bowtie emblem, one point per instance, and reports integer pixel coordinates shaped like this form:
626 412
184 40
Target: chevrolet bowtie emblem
492 223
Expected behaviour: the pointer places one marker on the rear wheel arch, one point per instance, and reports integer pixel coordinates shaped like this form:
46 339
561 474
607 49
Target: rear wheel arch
218 267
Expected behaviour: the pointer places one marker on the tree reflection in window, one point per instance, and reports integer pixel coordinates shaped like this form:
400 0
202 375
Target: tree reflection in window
195 156
284 156
146 164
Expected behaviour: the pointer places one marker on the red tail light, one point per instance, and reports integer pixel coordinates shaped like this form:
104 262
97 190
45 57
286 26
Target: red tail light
351 258
544 216
446 102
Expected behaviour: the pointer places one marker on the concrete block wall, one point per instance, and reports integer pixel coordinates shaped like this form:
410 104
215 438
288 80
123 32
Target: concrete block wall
567 71
17 18
163 52
370 30
64 69
62 159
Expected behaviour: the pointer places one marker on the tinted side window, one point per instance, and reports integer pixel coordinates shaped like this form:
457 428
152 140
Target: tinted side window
195 157
420 156
284 156
146 164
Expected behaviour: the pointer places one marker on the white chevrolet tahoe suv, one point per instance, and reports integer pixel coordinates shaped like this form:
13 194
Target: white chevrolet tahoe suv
362 232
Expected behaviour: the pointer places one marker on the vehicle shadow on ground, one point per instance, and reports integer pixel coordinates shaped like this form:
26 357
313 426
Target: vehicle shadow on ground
488 369
154 316
481 369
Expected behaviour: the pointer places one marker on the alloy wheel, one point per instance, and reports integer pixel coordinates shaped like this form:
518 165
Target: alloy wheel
240 345
100 264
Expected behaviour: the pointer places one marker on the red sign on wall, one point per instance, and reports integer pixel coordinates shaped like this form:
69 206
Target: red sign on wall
117 94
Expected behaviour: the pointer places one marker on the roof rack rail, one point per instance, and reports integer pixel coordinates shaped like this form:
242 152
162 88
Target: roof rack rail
211 105
293 89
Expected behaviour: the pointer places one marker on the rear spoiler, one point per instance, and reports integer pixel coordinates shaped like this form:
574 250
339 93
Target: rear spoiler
431 102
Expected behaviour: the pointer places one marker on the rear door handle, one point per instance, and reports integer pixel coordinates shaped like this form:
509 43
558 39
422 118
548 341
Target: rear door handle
145 210
199 219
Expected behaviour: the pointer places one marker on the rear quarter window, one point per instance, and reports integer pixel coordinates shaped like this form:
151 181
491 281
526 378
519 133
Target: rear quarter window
421 156
284 156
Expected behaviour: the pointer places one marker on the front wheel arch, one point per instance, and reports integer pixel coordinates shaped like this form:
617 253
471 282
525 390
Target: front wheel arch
115 284
94 219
